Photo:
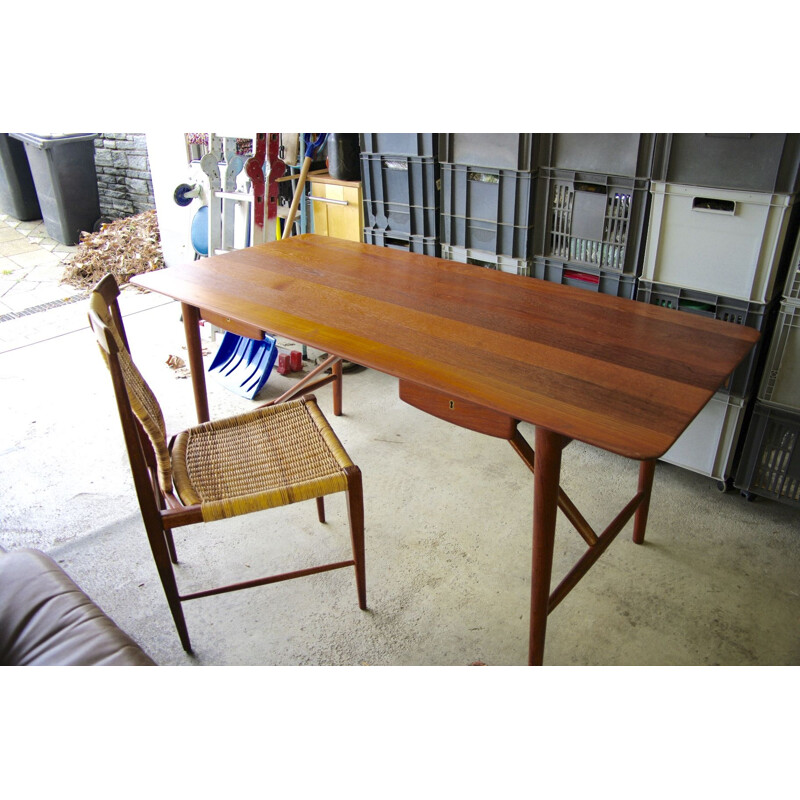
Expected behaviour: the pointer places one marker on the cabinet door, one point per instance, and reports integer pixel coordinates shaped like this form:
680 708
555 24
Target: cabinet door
338 211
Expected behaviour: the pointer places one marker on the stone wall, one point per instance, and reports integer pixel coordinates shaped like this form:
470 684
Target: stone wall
123 174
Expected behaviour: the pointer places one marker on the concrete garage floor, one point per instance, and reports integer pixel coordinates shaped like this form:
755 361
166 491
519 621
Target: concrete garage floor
448 520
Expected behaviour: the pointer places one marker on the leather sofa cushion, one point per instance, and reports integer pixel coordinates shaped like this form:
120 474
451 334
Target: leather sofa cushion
45 619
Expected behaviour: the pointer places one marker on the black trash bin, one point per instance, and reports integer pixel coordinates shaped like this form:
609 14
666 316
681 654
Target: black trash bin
65 177
17 192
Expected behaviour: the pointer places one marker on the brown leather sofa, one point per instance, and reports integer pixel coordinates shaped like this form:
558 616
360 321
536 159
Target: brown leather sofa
46 620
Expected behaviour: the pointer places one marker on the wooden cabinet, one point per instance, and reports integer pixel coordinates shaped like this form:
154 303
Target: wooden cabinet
337 208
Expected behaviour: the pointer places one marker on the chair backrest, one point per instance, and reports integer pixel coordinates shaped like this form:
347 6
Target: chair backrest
106 322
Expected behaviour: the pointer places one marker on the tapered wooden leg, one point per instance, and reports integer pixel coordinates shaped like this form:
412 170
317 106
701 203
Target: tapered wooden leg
191 327
337 388
646 471
158 545
548 446
173 554
321 508
355 512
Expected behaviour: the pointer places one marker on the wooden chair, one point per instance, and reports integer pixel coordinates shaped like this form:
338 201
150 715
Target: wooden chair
269 457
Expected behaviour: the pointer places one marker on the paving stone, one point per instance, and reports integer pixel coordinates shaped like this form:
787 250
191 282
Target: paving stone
37 258
9 234
16 246
7 282
53 272
29 294
7 266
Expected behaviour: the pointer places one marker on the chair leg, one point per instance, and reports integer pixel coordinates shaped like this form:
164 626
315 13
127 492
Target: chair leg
158 536
355 512
321 508
173 554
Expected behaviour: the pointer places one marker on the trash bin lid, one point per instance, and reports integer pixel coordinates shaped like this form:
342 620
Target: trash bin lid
45 140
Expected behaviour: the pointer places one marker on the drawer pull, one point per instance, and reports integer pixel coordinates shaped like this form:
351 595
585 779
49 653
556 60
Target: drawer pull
328 200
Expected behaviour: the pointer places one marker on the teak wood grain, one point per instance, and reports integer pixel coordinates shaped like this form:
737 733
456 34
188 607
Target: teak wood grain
622 375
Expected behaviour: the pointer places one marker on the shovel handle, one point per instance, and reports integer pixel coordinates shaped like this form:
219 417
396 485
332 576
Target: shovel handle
298 193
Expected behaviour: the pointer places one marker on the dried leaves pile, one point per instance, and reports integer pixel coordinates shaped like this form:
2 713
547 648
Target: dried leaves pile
125 247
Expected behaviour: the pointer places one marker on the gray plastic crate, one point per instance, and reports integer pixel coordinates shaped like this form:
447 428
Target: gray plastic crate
753 162
516 151
780 382
591 219
422 145
426 245
770 462
403 180
491 237
490 195
64 174
728 309
626 154
602 281
400 194
708 445
406 220
480 258
17 192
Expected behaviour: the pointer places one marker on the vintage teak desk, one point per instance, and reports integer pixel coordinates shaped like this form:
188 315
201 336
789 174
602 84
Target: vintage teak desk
485 350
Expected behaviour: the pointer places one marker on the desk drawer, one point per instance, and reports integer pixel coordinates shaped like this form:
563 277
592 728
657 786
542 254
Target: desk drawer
232 325
459 412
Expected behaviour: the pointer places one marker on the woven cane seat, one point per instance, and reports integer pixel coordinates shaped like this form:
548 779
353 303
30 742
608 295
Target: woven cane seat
266 458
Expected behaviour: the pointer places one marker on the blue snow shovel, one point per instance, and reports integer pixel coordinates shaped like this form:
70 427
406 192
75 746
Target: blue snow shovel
240 364
243 365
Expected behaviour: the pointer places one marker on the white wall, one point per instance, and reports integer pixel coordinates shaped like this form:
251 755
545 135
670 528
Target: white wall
169 168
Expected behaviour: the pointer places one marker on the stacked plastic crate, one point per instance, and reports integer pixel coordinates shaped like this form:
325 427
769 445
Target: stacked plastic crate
770 461
591 209
722 213
399 174
487 199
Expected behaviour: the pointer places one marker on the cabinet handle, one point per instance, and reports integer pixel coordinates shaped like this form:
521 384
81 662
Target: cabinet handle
328 200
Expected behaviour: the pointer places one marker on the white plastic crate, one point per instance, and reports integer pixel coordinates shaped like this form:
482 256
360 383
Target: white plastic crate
791 290
707 446
481 258
716 240
780 384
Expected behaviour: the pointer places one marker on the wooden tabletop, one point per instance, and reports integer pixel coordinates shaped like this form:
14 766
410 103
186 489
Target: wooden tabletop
622 375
